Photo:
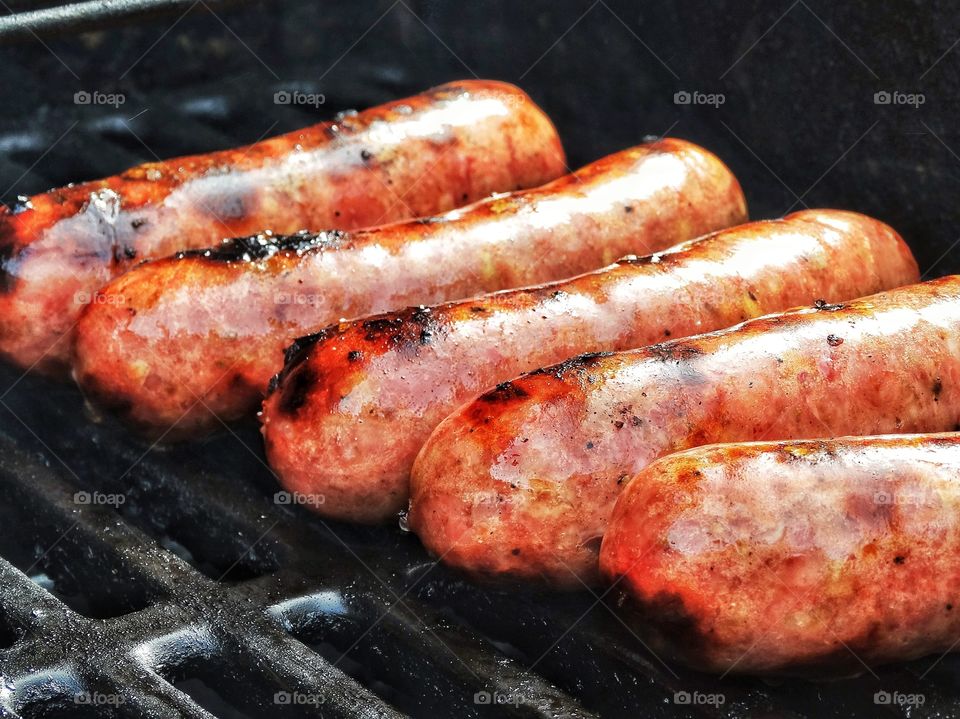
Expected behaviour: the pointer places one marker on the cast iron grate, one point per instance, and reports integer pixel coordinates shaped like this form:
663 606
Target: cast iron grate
199 595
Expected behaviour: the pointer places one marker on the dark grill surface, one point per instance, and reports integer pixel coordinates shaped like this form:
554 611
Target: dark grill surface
168 581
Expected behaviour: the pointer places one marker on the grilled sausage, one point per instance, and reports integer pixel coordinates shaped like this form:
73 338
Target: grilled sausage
522 480
429 153
211 326
808 557
381 384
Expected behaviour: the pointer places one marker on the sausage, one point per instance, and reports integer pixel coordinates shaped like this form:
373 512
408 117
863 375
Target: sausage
802 558
449 146
380 385
194 338
522 480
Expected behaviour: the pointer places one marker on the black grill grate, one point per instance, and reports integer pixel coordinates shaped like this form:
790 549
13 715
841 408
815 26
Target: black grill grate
199 595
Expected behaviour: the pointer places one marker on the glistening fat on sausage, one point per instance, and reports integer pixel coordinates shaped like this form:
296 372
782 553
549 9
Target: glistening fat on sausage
812 557
522 480
425 154
356 402
177 343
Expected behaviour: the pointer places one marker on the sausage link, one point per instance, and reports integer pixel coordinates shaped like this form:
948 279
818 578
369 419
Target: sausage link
449 146
212 325
802 558
522 480
358 400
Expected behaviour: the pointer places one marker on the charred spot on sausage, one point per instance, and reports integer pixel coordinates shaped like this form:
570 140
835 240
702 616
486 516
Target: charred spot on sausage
295 388
503 392
377 327
574 364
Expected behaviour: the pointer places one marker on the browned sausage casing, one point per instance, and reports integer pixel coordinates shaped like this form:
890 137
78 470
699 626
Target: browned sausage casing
522 480
185 340
425 154
807 557
357 401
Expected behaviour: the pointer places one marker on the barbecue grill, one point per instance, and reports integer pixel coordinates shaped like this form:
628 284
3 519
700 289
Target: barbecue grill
142 580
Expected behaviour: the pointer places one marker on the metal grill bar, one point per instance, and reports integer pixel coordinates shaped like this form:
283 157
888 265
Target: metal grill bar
91 15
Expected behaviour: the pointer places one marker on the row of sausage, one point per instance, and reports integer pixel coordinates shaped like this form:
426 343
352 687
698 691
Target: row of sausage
603 463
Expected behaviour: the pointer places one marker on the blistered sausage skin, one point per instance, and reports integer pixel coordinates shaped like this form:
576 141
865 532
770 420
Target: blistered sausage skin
357 401
212 326
807 557
449 146
522 480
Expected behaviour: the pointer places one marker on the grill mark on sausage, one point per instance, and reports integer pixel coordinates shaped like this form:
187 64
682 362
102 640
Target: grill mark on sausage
579 363
294 355
504 392
8 279
674 351
256 248
295 388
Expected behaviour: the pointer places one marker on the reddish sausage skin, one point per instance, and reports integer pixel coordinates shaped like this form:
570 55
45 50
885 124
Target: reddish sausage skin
522 480
804 558
425 154
212 326
383 383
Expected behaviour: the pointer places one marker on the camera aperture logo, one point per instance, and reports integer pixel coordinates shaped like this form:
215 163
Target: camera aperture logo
899 699
85 97
296 97
896 97
695 97
699 699
99 498
299 498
